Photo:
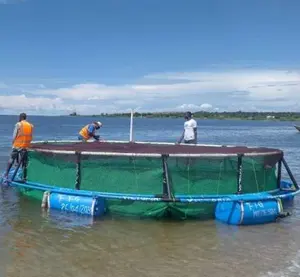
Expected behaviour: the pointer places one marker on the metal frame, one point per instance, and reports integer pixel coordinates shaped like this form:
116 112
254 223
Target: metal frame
78 171
140 142
167 190
279 173
166 182
153 198
154 155
239 173
290 173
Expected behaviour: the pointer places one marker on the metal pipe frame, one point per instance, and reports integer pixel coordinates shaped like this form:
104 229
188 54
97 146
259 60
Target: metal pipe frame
290 173
166 179
279 173
240 173
78 171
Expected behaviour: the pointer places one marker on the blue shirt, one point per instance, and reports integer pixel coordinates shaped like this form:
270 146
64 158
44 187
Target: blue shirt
91 129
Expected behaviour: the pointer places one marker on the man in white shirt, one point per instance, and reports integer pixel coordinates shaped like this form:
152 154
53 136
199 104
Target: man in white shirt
189 134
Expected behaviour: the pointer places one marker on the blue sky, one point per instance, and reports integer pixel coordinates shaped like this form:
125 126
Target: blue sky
96 56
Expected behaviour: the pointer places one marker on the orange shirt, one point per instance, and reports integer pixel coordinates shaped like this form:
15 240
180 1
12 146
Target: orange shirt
24 135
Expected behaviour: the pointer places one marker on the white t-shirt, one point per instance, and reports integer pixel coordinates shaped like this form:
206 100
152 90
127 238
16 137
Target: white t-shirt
189 126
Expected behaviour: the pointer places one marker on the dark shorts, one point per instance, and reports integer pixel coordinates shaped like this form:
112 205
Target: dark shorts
81 138
15 156
193 141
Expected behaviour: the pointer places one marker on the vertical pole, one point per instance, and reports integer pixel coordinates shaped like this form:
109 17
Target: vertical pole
166 180
279 170
25 165
165 186
78 171
290 173
131 126
239 173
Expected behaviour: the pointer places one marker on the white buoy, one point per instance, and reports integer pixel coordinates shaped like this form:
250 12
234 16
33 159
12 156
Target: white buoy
131 126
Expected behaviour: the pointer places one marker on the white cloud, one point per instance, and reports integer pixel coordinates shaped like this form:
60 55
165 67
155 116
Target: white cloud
190 107
259 84
35 105
206 106
193 107
230 90
22 102
269 84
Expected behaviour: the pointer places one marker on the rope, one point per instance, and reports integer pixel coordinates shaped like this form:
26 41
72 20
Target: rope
257 187
78 173
188 169
220 173
135 174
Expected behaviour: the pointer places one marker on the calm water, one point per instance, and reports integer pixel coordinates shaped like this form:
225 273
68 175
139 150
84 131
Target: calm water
36 243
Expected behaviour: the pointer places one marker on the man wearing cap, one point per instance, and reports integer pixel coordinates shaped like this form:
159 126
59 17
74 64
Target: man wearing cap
189 134
22 138
88 131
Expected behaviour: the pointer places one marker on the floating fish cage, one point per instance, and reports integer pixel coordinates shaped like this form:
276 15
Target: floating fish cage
235 185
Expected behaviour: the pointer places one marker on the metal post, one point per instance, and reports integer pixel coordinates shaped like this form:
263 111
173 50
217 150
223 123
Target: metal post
166 180
239 173
290 173
78 171
279 170
131 126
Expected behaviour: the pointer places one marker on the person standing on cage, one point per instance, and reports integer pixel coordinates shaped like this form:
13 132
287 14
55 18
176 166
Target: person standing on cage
89 131
22 138
189 134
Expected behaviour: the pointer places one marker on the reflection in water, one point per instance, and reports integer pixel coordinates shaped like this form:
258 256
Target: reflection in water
35 242
64 220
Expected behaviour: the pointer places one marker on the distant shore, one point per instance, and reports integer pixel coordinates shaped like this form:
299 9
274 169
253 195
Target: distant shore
275 116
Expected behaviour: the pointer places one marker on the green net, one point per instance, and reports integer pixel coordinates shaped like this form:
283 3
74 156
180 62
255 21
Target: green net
141 175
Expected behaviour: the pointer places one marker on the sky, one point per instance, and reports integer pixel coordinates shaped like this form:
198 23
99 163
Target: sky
104 56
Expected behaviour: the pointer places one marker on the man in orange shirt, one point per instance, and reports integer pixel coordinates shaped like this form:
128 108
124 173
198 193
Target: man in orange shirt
22 138
88 131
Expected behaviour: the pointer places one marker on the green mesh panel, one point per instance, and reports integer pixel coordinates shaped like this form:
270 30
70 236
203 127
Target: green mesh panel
137 208
51 169
122 174
256 176
203 176
141 175
192 176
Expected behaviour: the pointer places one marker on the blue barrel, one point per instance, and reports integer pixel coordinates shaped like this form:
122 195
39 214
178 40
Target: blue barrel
248 212
94 206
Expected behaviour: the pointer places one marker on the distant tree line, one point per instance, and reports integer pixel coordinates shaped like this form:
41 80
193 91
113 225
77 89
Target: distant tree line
291 116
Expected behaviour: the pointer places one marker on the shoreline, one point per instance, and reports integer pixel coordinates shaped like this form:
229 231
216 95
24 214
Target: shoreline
263 116
198 118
